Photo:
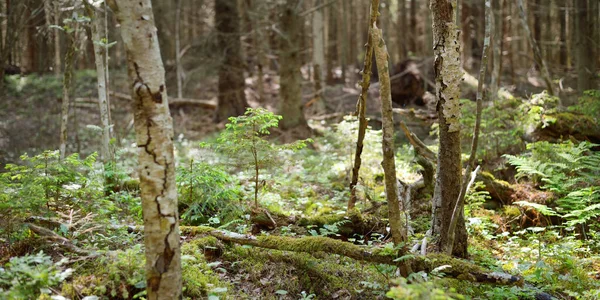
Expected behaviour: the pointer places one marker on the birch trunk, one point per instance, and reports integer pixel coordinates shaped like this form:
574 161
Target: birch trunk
448 79
154 137
98 33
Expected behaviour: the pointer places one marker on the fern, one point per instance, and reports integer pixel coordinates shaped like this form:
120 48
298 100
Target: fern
571 171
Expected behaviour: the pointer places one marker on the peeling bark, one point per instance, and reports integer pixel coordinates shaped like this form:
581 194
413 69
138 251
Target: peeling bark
154 137
448 76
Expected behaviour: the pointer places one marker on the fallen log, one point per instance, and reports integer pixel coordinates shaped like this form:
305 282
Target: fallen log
314 244
60 241
173 102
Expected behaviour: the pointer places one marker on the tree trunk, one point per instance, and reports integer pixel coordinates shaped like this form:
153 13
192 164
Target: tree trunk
401 27
66 103
448 79
389 163
98 34
413 27
563 53
537 54
291 107
318 37
459 207
57 62
465 35
154 137
232 99
497 47
179 69
361 106
593 40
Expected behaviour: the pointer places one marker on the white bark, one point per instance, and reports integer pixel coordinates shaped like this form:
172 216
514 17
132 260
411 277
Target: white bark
98 33
154 137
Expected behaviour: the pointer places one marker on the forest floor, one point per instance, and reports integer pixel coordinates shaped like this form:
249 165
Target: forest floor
533 213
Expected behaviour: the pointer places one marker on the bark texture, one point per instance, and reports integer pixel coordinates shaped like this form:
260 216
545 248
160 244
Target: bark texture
154 137
66 102
232 100
290 103
361 106
583 47
459 207
447 78
98 33
389 162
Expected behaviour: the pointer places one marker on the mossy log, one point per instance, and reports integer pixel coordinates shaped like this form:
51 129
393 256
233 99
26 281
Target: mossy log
500 191
354 222
563 125
457 268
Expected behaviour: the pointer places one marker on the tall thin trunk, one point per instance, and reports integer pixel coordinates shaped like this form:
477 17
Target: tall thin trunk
318 37
448 78
389 163
98 34
66 103
178 66
465 35
57 62
413 27
563 53
537 54
401 27
593 40
497 48
154 138
361 106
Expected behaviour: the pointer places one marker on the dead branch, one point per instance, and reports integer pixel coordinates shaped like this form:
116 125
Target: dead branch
60 241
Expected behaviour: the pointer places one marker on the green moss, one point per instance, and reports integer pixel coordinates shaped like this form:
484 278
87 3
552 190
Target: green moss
327 276
199 280
195 230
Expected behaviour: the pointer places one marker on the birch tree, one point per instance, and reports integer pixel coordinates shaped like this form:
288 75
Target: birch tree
99 42
154 138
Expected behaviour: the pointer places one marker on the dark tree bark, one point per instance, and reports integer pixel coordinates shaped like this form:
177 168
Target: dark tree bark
583 47
232 100
563 53
291 107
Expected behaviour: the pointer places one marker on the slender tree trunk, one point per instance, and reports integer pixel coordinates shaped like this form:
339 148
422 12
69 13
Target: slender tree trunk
413 27
57 62
537 54
448 78
497 46
318 37
465 35
593 40
583 47
66 103
389 162
291 107
178 66
98 34
232 99
361 106
459 207
563 53
154 137
402 39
